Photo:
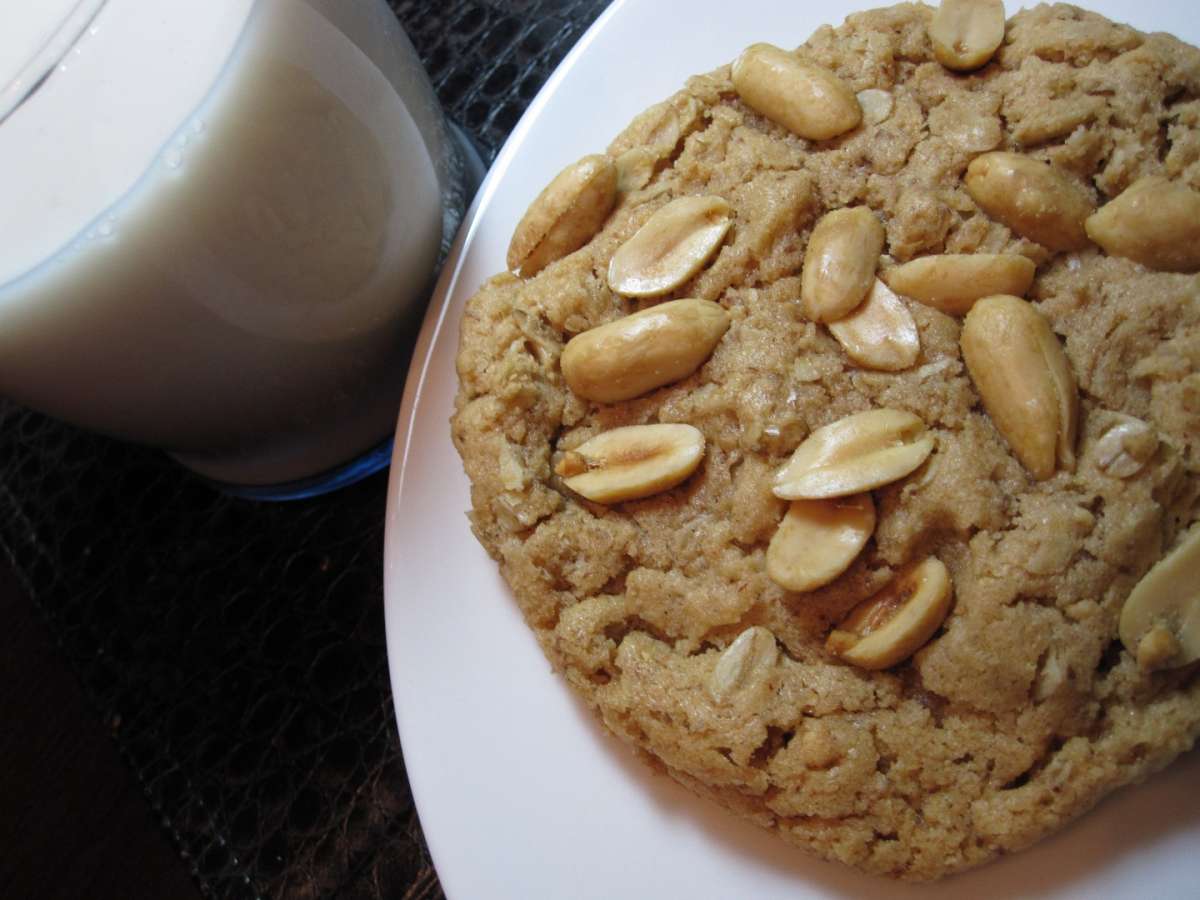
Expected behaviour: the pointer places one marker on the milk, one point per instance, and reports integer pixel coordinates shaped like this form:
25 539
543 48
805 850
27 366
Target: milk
217 219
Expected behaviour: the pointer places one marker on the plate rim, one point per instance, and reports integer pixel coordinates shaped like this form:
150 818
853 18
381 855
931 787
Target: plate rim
426 351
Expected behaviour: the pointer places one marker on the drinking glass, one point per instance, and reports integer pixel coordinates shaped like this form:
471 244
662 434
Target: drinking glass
222 220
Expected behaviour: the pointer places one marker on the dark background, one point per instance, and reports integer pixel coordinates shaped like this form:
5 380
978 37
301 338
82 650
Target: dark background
194 695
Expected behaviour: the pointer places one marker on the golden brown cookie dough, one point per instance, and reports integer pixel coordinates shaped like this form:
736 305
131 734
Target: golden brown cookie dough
1024 708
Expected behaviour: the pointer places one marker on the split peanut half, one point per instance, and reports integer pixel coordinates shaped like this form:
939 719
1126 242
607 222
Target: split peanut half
877 105
1025 381
637 353
895 623
670 248
858 453
632 462
635 168
881 334
1160 622
818 539
744 665
1125 447
565 216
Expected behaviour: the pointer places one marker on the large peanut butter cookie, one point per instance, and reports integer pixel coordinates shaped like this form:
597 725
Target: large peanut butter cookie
838 428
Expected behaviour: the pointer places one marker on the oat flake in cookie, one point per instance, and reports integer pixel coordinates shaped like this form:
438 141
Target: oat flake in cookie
988 491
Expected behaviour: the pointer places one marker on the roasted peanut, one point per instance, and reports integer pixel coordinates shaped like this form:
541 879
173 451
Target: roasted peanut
876 105
629 356
565 215
1034 199
1125 447
881 334
855 454
952 282
670 248
1155 222
1025 380
1160 622
743 665
966 33
840 262
631 462
895 623
807 100
818 539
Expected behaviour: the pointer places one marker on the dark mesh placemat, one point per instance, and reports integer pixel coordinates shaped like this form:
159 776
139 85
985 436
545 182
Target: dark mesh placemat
236 649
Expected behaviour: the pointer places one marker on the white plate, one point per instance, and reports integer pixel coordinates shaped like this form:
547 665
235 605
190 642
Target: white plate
521 794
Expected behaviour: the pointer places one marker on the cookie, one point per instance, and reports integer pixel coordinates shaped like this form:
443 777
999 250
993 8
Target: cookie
843 452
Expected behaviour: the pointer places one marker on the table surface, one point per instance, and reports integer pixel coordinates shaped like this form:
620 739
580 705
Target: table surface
194 688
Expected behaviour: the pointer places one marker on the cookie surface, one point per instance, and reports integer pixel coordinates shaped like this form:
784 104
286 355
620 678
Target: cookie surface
1023 710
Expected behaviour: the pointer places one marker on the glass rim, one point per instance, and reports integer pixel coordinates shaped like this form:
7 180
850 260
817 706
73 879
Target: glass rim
42 62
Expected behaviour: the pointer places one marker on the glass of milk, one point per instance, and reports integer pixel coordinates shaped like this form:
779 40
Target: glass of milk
219 220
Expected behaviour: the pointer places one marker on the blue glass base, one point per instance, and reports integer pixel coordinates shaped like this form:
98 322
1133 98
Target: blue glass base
374 460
